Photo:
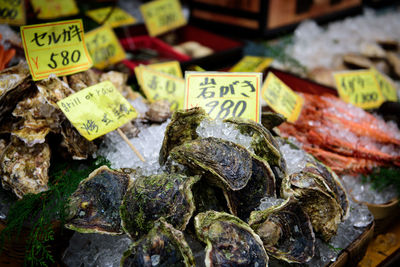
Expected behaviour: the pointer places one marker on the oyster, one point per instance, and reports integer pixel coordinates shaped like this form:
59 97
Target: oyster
330 180
14 83
264 146
182 128
286 231
228 163
118 79
207 197
3 145
53 90
77 146
316 200
162 246
155 196
271 119
394 61
25 169
94 206
230 241
32 132
159 111
81 80
260 185
356 61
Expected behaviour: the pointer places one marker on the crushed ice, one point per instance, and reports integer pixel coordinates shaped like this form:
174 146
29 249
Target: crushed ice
223 130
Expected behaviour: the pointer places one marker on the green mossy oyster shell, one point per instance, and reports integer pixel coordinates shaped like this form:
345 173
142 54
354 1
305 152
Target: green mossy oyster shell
155 196
163 242
94 206
271 119
229 240
286 231
228 163
261 184
182 128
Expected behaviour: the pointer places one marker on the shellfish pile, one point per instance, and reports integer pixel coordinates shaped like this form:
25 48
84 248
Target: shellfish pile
209 191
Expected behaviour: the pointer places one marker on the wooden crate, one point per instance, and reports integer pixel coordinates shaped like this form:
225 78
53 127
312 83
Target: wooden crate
266 17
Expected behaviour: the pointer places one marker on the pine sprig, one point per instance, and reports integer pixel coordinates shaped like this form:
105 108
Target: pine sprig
382 178
39 211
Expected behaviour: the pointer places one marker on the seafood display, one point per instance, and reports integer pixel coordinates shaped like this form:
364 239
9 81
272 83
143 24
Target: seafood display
33 126
344 137
208 192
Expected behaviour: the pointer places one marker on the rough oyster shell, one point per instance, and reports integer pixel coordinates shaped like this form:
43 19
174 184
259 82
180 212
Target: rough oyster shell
182 128
53 90
286 231
14 83
81 80
162 246
260 185
230 241
155 196
94 206
330 180
159 111
316 200
118 79
25 169
208 197
77 146
32 132
264 146
230 164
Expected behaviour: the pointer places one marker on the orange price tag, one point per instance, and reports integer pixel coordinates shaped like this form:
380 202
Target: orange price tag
57 48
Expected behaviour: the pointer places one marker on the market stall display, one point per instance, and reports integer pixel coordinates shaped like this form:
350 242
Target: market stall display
181 186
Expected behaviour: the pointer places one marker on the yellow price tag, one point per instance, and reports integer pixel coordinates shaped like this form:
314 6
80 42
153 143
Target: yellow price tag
387 88
224 94
360 88
51 9
251 63
161 16
104 47
117 18
172 68
12 12
157 85
97 110
57 48
281 98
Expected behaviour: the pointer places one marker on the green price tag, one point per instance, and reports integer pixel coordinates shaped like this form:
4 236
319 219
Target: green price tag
12 12
157 86
388 89
57 48
281 98
104 47
97 110
252 63
224 94
360 88
161 16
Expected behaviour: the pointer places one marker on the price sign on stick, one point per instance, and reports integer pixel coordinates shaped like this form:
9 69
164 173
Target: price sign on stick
224 94
97 110
57 48
360 88
104 47
251 63
117 18
161 16
281 98
12 12
157 85
51 9
388 89
171 67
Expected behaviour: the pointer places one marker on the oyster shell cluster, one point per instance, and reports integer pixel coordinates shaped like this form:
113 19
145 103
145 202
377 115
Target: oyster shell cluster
32 126
210 192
